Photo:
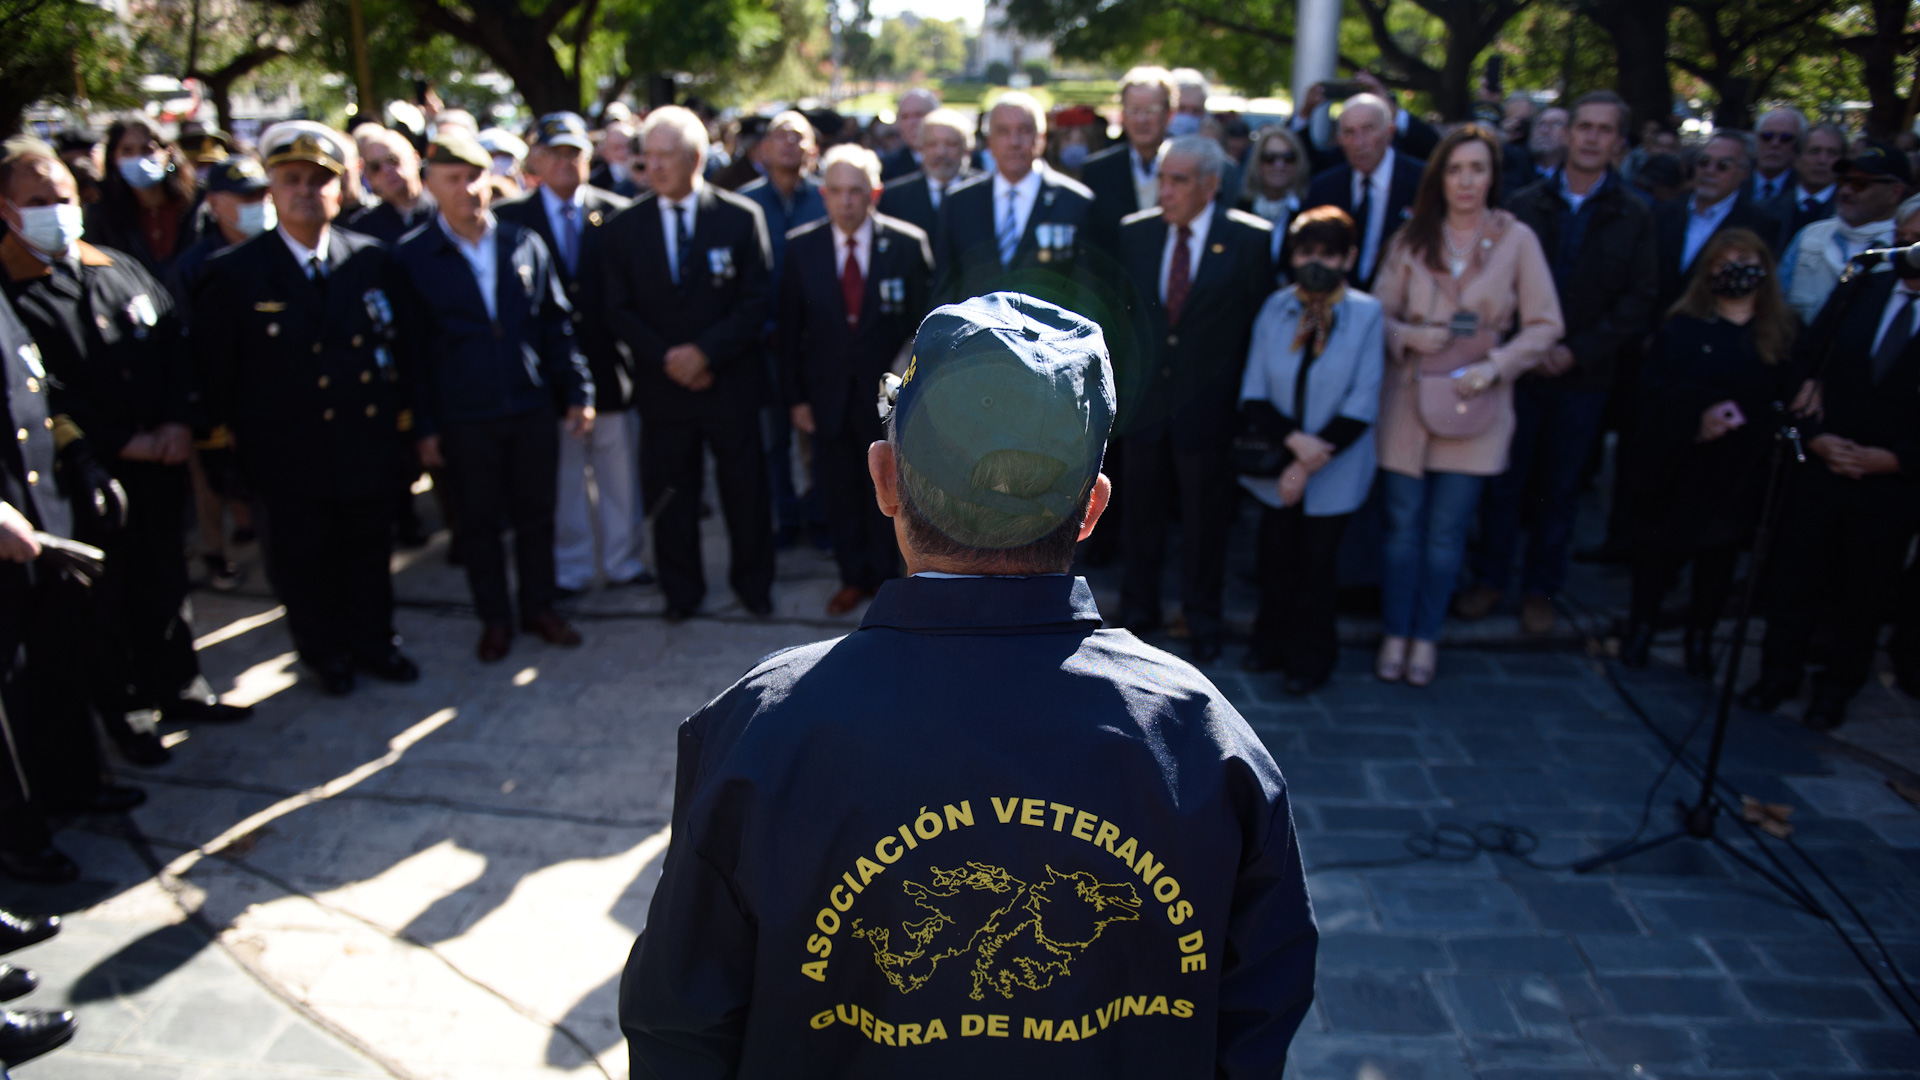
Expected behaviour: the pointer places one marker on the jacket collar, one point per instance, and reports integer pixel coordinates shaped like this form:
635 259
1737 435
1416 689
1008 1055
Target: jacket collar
1055 602
21 264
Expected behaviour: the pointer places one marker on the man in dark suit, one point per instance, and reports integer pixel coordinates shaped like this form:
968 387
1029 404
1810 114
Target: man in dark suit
1200 273
615 172
687 279
393 172
1811 198
1779 137
294 347
1125 179
489 340
1019 229
571 217
1719 201
1316 119
946 144
1376 186
911 115
1852 511
857 286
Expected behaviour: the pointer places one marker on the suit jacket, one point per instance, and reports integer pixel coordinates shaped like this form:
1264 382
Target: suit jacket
721 305
307 381
826 362
1419 142
1883 413
966 255
468 365
1109 176
898 164
1788 181
1187 376
384 222
1670 232
909 200
1335 188
586 287
1786 207
27 464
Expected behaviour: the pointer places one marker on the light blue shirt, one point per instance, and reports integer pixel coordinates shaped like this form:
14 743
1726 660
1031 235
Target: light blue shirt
1343 381
481 258
1701 225
557 219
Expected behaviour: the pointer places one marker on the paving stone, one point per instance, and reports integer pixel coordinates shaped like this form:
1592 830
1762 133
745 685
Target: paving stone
1396 783
1724 914
1813 959
1326 779
1391 819
1379 952
1426 904
1771 1046
1577 906
1545 955
1361 745
1538 1056
1626 953
1738 957
1478 1005
1798 999
1670 995
1388 1004
1889 1048
1340 1056
1632 1042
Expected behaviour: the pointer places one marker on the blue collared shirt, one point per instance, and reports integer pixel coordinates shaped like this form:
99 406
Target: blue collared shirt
1701 225
481 258
557 221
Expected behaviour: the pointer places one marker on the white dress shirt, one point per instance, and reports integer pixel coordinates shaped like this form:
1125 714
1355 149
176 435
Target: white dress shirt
557 217
1372 229
862 248
1146 175
480 257
302 253
936 191
1025 193
1196 244
670 225
1702 223
1901 301
1279 213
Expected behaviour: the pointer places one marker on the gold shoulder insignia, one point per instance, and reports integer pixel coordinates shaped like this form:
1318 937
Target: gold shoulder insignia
1219 249
270 306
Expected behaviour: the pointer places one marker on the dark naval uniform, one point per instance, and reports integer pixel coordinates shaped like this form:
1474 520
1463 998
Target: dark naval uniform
384 222
965 251
304 375
1064 850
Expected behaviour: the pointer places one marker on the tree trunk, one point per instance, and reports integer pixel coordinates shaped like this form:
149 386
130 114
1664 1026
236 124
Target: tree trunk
1735 107
1887 114
1639 32
515 40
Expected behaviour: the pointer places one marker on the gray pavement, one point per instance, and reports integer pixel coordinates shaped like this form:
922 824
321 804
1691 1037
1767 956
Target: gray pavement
442 880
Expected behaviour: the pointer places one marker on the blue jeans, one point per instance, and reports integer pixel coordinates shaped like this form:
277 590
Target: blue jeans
1427 520
1552 436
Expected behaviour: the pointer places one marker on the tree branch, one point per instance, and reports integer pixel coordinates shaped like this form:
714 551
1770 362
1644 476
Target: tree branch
1420 75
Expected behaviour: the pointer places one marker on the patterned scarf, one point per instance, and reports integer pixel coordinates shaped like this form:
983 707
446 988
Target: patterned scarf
1316 317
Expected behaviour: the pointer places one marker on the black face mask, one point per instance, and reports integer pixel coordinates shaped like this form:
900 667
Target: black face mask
1317 277
1735 280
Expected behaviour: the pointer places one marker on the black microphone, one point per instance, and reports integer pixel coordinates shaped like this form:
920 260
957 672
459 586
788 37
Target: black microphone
1909 256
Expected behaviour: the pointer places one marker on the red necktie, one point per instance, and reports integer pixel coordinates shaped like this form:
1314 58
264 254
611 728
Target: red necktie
852 284
1179 276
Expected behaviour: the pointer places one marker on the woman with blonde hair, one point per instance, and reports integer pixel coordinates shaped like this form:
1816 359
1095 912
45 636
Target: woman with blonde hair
1459 276
1277 174
1710 386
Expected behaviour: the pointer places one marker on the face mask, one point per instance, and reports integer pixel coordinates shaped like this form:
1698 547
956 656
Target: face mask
1735 280
144 172
1317 277
255 218
51 229
1183 124
1073 155
618 169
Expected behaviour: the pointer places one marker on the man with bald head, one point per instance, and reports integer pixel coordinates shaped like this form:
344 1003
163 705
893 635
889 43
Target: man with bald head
392 169
911 114
1780 134
1375 186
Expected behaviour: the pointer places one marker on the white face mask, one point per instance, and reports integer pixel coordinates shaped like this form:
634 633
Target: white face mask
143 172
254 218
1183 124
52 229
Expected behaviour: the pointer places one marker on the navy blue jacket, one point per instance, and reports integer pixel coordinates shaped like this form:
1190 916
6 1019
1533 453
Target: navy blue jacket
980 836
467 366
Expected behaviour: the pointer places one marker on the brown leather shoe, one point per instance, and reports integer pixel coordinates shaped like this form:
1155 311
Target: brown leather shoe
1476 601
551 628
496 641
1536 615
846 599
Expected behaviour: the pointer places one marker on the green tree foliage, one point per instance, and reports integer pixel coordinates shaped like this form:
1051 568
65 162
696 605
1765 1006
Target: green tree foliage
1740 49
221 44
912 47
64 51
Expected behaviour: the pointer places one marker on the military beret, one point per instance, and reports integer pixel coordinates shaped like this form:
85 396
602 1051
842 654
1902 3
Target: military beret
239 174
321 146
502 142
562 129
1001 420
456 145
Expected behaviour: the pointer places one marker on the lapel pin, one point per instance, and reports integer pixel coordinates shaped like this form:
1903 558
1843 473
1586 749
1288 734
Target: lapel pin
273 329
593 217
1219 249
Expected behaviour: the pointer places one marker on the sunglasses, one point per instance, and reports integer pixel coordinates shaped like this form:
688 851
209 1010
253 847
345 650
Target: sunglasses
1720 164
1777 136
1274 159
1861 183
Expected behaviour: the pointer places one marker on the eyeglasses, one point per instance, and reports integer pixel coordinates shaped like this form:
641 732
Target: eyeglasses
1274 159
1778 136
1858 182
375 165
1719 164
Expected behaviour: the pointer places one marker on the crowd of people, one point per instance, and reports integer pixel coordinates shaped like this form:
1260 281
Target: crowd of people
1398 338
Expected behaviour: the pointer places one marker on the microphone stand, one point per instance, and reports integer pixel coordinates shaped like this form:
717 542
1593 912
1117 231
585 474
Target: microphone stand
1696 820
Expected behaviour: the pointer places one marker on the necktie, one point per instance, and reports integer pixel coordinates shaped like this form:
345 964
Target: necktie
1179 275
936 192
852 285
317 273
1363 218
683 239
570 238
1896 339
1809 204
1008 236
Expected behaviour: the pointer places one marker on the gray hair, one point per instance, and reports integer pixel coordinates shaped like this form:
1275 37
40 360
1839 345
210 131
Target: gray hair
789 118
684 123
1907 209
949 118
933 97
1799 123
1830 128
1205 153
1303 168
855 155
20 149
1154 76
1186 79
1015 99
1368 101
1749 145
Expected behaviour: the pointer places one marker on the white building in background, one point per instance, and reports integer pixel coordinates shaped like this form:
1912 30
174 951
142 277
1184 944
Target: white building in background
998 42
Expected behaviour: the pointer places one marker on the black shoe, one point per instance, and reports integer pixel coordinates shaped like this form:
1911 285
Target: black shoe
202 711
1259 661
561 592
676 615
786 537
1906 675
1205 648
19 931
1607 554
456 554
16 982
143 748
243 537
106 799
759 609
411 537
1828 709
1773 688
335 679
28 1033
639 580
1637 647
1698 646
1301 685
48 866
222 574
392 666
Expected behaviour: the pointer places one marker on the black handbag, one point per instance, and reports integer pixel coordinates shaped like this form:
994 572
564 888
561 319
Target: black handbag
1260 441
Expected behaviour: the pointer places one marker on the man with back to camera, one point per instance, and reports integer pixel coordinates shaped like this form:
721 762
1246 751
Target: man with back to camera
980 835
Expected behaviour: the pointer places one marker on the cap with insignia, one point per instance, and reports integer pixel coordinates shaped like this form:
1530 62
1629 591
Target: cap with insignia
1877 159
241 175
1002 419
456 146
206 147
562 129
320 147
503 143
